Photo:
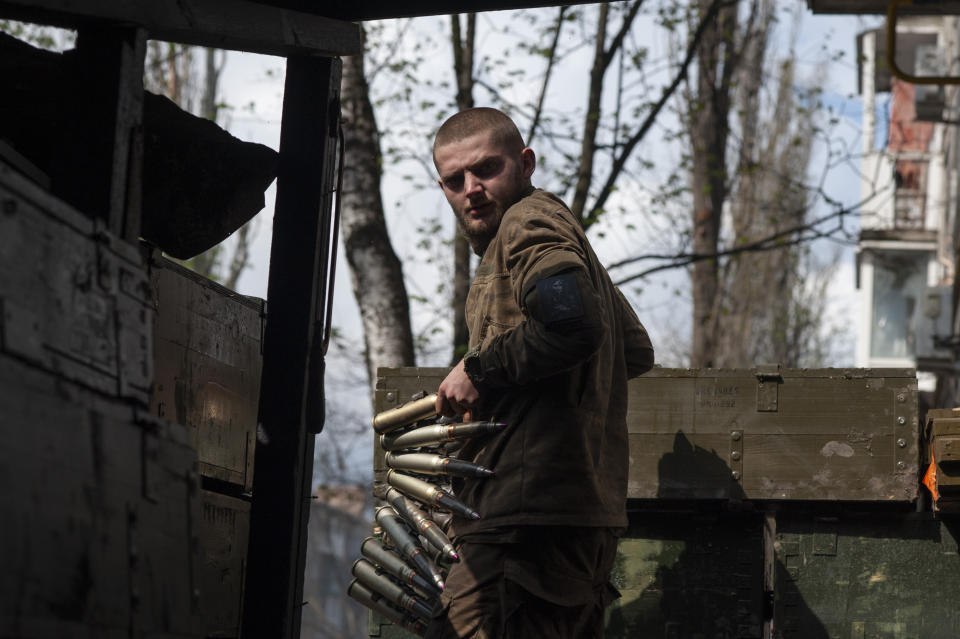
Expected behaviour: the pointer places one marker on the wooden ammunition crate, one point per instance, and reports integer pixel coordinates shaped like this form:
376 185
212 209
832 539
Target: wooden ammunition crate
75 300
224 531
208 358
99 499
768 504
766 433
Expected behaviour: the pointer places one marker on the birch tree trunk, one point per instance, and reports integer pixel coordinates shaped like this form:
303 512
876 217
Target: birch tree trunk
375 270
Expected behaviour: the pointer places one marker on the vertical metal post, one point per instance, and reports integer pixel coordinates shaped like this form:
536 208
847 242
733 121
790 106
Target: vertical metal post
295 302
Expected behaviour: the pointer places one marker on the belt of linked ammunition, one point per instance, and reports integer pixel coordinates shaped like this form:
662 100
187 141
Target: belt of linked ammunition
402 572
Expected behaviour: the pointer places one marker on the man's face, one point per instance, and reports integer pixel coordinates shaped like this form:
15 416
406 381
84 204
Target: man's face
481 180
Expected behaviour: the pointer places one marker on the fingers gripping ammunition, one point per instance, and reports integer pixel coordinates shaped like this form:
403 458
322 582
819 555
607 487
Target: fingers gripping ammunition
430 464
427 527
407 414
372 549
429 494
377 581
378 604
407 545
437 434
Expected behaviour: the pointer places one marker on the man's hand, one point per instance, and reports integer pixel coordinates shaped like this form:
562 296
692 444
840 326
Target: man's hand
456 394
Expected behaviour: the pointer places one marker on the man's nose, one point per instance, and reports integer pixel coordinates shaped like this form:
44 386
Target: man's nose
471 184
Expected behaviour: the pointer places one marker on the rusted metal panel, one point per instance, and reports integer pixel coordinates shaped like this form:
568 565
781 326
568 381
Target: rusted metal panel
207 348
75 300
835 434
224 529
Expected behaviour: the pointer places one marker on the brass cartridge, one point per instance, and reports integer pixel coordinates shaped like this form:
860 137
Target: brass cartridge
378 604
375 579
406 544
427 493
430 464
427 527
407 414
437 434
372 549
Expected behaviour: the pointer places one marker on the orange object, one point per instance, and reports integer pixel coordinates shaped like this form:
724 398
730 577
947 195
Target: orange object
930 479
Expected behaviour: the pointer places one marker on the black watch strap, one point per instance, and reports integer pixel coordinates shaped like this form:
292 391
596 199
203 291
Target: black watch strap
473 368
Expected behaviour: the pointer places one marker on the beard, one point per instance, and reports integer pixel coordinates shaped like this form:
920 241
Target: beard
479 233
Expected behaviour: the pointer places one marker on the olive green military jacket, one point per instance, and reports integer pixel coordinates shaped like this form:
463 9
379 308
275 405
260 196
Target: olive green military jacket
561 386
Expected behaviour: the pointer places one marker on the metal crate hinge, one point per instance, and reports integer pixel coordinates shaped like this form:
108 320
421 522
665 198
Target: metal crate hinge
768 388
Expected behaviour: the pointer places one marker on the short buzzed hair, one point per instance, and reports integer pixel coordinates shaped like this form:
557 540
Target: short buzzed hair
472 121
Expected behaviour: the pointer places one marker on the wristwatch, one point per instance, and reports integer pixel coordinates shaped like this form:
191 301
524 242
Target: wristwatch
473 368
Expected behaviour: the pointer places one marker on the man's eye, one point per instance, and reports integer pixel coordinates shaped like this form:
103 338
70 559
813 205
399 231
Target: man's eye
487 169
453 183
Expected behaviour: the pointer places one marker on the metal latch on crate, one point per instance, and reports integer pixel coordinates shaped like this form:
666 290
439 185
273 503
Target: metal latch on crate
768 388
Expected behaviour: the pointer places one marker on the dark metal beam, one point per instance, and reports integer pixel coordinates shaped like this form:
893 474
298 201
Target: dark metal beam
295 302
879 7
379 9
224 24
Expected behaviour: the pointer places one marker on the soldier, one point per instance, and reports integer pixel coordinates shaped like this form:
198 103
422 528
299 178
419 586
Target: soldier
552 344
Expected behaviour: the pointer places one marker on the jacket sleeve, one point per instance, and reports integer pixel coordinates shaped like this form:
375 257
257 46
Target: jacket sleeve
543 252
636 342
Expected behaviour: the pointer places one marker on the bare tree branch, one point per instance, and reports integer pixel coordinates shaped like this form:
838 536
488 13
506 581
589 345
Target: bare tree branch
804 233
648 122
617 42
551 58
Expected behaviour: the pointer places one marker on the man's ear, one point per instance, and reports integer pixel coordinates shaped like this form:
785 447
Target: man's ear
440 182
528 162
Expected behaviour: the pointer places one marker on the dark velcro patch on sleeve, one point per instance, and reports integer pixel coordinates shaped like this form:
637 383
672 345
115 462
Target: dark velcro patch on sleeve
559 298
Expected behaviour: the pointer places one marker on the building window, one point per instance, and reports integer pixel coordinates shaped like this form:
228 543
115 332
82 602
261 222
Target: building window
910 178
899 279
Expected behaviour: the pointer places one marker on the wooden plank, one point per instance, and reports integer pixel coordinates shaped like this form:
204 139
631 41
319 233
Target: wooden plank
295 300
234 24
